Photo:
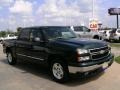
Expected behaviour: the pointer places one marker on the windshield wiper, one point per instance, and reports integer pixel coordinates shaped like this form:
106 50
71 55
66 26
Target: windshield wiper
72 37
64 38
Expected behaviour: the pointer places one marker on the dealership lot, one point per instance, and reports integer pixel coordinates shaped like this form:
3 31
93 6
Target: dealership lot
30 76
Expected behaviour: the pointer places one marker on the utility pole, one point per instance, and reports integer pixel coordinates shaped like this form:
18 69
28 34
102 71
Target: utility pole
117 21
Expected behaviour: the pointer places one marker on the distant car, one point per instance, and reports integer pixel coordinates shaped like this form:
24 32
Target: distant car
9 36
107 34
84 32
116 35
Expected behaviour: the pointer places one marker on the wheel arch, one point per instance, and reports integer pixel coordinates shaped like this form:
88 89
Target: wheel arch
58 57
8 49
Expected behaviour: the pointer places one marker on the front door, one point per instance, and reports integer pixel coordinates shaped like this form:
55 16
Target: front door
38 50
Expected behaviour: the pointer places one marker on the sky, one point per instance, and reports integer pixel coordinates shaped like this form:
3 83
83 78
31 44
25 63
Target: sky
25 13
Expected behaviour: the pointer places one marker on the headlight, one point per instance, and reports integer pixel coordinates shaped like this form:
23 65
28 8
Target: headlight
82 51
109 48
85 58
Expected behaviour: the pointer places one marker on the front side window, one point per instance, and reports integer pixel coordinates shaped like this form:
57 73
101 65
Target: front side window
86 29
36 33
59 33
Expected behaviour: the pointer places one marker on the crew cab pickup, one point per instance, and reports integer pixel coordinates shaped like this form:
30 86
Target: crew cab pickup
60 49
84 32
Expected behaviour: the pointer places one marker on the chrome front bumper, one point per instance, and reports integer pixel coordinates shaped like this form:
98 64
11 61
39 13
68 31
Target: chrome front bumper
89 68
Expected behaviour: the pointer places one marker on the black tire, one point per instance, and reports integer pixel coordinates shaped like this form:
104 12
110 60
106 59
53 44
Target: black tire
96 37
63 77
11 60
1 41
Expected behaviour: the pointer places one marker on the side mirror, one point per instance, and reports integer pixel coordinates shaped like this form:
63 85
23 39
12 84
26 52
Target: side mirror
89 30
37 39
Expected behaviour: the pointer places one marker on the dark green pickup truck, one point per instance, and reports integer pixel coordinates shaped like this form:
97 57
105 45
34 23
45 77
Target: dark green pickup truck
60 49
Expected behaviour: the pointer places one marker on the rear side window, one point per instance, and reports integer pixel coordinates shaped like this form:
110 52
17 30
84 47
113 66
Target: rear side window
78 29
24 35
11 35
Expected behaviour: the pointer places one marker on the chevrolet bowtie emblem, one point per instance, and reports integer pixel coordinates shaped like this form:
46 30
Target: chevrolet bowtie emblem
102 52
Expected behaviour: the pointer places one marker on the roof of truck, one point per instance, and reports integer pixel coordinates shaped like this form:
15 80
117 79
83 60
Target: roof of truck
42 27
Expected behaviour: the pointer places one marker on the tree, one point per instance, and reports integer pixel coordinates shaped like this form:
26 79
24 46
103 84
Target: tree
2 34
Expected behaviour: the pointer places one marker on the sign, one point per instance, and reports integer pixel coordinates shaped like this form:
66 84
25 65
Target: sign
93 24
114 11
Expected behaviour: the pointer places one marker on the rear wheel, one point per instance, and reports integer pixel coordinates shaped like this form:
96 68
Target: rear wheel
11 60
96 37
59 71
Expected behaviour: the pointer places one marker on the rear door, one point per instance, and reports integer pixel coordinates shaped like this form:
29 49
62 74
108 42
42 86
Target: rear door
23 44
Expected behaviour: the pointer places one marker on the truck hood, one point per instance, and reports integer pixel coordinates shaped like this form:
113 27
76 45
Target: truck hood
81 43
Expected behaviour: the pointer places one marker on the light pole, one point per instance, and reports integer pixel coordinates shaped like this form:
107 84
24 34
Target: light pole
117 21
100 25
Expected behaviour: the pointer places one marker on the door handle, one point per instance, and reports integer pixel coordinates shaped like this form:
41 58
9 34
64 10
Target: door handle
38 48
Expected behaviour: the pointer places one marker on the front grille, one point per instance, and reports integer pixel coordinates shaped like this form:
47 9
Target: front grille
99 53
98 49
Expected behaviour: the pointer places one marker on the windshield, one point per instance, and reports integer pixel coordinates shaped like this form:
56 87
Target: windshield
59 33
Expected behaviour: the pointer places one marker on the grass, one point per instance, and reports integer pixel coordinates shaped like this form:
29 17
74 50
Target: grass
117 59
115 45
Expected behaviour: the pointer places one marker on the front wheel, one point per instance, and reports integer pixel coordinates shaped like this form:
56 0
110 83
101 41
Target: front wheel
59 71
11 60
